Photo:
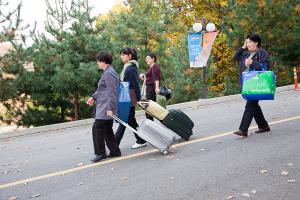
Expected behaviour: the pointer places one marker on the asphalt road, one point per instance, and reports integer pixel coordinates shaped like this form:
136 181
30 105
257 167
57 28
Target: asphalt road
213 165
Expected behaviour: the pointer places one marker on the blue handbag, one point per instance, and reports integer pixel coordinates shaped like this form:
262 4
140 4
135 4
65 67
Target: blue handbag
124 101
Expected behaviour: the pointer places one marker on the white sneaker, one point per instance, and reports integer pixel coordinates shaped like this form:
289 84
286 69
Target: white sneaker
136 145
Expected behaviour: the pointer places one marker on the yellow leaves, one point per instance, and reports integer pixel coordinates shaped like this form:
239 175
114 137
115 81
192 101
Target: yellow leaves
261 3
297 8
241 2
189 88
189 72
244 23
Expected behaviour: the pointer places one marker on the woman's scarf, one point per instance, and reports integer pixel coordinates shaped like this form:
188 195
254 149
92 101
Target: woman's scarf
125 67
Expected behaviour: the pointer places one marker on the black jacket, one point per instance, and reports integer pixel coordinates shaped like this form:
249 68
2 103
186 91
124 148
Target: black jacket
131 76
260 59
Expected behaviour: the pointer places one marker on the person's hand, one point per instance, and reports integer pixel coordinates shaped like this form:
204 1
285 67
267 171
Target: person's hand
245 44
90 101
248 61
157 90
109 113
142 76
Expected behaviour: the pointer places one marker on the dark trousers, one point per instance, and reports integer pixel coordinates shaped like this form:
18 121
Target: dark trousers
131 122
103 133
253 109
150 95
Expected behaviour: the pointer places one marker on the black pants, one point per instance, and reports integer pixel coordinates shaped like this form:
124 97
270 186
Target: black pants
253 109
103 133
150 95
131 122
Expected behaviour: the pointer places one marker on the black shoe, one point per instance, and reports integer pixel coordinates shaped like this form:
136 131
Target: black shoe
241 133
114 155
99 157
262 130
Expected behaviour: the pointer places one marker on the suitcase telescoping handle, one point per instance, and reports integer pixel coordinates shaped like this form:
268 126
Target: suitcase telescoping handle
123 123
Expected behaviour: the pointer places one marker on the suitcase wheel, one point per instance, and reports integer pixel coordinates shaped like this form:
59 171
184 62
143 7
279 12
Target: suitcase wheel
165 152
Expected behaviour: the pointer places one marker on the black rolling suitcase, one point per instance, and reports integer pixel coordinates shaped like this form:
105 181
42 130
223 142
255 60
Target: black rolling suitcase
179 122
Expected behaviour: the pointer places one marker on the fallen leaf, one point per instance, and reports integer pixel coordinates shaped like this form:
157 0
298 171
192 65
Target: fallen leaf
36 195
19 170
291 181
6 172
152 159
124 178
112 168
170 157
285 173
12 198
202 149
230 197
290 164
172 178
78 148
80 164
253 191
246 195
78 184
93 173
263 171
219 141
26 183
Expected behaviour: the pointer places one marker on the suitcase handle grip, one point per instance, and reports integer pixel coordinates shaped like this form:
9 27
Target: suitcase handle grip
123 123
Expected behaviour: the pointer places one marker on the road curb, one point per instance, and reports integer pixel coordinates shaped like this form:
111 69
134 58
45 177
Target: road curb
87 122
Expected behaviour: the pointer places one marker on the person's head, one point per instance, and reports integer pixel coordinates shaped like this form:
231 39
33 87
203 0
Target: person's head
254 41
128 54
104 59
151 58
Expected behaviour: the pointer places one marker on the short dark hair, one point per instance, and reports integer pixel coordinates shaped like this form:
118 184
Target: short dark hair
129 51
104 56
152 55
255 38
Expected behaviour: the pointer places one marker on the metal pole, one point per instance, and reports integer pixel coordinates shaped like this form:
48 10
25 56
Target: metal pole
204 90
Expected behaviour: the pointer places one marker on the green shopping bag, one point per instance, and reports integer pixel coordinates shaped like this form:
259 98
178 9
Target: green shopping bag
258 85
161 100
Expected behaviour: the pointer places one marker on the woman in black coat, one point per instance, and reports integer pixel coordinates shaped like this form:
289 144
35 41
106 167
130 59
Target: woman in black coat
130 74
252 57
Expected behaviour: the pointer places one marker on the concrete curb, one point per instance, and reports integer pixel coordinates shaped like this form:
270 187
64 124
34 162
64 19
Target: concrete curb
87 122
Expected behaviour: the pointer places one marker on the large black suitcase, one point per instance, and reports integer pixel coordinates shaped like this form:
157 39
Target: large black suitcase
179 122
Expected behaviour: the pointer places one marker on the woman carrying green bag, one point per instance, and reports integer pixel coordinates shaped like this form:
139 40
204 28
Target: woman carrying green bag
252 57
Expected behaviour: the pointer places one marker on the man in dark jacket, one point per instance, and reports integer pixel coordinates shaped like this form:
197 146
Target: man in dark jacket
106 98
255 58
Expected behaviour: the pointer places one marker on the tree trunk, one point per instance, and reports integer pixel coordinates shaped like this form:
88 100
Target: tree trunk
62 113
76 107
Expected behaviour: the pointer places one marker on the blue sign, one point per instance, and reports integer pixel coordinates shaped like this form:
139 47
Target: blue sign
195 48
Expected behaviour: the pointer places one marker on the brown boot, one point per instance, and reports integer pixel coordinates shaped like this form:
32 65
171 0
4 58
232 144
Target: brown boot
241 133
262 130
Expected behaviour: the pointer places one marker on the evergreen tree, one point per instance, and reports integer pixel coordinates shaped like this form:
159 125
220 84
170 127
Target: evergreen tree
276 21
12 63
65 72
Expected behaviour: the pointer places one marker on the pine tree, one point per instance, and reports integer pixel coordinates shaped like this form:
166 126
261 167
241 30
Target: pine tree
12 63
276 21
65 72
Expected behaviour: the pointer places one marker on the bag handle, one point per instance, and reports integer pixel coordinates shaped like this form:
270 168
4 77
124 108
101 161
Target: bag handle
123 123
